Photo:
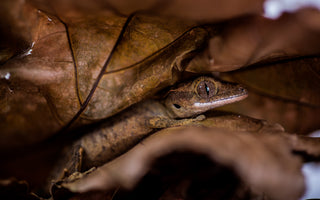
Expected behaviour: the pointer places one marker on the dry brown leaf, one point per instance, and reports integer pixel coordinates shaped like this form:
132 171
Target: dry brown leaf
204 10
252 39
296 80
264 162
295 118
233 122
285 93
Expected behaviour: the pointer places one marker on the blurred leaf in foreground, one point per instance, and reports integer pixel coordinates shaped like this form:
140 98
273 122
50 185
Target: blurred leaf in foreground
256 155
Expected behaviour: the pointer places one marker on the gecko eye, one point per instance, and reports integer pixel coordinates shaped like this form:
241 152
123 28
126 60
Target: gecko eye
206 89
176 106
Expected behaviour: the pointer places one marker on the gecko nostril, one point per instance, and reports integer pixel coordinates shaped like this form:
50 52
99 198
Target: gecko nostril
176 106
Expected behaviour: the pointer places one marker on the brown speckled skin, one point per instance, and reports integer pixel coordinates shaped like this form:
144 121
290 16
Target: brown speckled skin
120 133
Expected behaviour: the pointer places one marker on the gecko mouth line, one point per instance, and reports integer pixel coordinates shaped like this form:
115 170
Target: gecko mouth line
233 97
229 99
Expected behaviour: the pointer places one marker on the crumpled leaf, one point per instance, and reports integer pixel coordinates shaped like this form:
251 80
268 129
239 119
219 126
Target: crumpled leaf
295 118
302 85
254 39
149 54
285 93
187 9
256 155
233 122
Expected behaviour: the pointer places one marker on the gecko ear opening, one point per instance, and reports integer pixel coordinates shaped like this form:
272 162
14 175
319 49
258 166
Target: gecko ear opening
176 106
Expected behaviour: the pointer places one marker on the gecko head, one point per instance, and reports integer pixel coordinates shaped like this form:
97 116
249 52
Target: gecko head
202 94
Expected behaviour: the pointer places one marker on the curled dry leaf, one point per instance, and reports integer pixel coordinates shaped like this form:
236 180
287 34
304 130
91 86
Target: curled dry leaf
295 118
232 122
203 11
285 92
301 87
253 39
263 162
149 56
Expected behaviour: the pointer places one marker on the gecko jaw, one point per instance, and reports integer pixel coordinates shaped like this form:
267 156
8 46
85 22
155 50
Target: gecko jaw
221 102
